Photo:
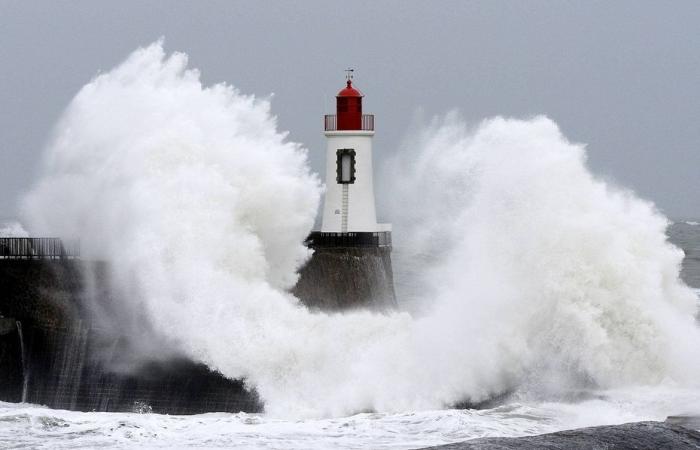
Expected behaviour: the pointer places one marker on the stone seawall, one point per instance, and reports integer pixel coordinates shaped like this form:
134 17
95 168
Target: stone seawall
52 354
66 370
11 365
59 347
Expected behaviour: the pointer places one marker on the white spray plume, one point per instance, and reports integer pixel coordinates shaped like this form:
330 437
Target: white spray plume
12 229
576 276
541 274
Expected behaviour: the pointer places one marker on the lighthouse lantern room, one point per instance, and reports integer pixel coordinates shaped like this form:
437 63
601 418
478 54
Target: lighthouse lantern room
349 210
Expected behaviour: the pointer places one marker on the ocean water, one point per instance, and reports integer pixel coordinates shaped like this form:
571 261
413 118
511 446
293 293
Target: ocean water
686 235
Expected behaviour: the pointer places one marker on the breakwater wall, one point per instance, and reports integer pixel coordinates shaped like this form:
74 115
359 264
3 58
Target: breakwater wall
52 353
55 350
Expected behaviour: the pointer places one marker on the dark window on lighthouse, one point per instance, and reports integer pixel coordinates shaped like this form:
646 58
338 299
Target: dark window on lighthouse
345 170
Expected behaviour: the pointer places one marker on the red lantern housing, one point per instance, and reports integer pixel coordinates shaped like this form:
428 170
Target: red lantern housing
349 108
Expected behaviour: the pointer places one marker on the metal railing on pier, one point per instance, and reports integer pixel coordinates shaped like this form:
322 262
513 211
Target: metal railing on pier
318 239
38 248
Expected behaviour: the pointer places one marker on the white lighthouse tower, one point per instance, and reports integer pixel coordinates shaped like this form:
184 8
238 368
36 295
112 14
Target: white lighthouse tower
351 263
349 210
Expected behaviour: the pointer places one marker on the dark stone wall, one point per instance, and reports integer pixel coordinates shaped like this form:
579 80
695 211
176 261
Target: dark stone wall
65 364
337 279
11 370
74 358
64 372
46 292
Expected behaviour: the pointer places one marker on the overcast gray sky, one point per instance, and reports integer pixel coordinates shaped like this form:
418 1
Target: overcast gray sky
623 77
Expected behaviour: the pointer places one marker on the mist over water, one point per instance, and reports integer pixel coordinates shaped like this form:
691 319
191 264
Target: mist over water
531 275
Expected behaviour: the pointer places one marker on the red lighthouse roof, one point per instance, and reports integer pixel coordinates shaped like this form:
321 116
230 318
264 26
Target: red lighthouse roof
349 91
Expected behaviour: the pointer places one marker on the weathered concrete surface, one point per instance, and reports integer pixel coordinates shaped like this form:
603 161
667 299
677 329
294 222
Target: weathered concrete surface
338 279
639 436
68 361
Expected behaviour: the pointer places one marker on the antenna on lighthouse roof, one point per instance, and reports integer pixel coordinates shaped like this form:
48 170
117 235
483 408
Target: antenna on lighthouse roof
348 73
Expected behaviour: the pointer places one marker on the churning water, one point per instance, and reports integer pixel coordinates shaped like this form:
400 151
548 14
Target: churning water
30 426
528 275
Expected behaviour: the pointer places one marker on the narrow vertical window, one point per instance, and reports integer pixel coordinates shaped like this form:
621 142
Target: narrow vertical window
345 166
345 171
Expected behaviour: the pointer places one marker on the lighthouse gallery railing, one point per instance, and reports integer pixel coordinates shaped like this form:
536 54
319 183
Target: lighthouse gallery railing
331 122
319 239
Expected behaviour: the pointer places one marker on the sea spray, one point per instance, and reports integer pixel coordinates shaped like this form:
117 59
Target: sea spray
539 274
535 254
12 229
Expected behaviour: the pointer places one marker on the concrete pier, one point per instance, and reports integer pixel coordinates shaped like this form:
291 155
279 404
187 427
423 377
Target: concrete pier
60 358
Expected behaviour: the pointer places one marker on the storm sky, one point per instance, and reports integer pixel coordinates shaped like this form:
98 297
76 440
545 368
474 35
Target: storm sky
622 77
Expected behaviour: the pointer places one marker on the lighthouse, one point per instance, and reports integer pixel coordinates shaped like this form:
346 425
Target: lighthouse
349 211
351 264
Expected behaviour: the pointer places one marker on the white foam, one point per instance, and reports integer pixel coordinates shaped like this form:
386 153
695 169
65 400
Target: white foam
12 229
31 426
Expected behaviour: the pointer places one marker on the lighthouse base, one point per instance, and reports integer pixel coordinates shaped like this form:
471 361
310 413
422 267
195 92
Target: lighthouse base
348 271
